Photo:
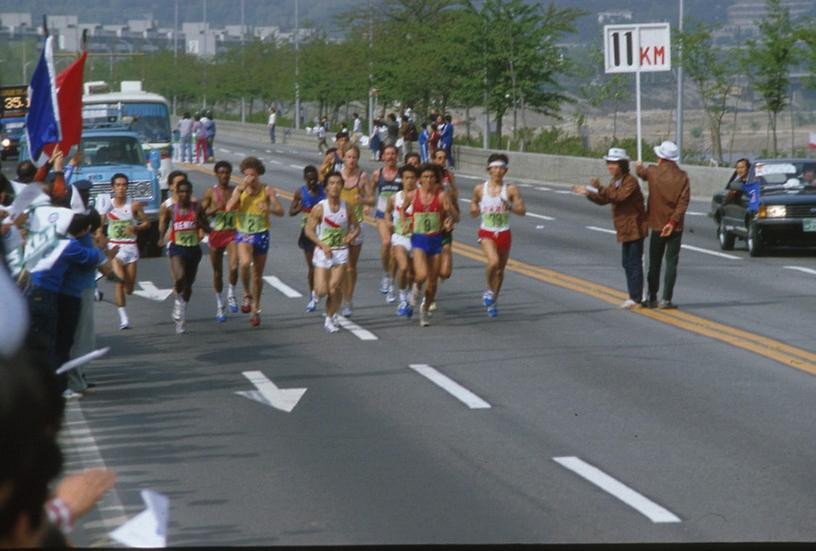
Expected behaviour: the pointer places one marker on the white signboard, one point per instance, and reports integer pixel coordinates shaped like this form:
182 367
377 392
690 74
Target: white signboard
637 48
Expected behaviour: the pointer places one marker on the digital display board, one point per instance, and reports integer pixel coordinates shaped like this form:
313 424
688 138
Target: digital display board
14 101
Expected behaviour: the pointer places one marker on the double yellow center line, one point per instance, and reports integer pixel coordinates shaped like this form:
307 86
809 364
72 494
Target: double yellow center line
778 351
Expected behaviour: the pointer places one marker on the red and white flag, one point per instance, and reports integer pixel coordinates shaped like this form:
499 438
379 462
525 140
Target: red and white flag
69 100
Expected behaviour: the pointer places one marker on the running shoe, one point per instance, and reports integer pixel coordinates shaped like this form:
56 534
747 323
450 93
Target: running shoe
345 311
487 298
409 312
492 311
219 315
312 305
424 318
628 304
124 325
385 282
390 297
402 309
255 320
432 307
98 295
233 304
180 327
330 326
667 305
69 394
246 306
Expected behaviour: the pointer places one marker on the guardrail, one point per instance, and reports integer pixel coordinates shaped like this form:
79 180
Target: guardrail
550 169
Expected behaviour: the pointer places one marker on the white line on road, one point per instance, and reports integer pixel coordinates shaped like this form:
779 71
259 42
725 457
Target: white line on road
300 167
279 152
565 192
801 269
602 230
222 150
525 185
540 188
712 253
282 287
274 162
269 151
633 499
695 213
356 330
540 216
452 387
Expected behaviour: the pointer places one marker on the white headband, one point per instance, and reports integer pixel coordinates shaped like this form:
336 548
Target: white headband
497 164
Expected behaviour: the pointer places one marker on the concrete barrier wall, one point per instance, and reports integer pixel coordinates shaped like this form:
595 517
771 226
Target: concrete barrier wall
551 169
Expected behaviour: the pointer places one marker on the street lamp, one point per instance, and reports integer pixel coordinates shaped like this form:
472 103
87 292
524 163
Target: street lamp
297 68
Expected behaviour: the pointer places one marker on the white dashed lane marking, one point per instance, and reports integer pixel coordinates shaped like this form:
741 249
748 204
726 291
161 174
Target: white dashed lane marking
450 386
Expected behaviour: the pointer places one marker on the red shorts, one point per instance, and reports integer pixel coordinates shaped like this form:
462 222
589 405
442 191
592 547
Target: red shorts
503 239
220 239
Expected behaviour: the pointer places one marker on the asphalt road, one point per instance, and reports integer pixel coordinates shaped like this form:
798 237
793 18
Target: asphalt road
665 429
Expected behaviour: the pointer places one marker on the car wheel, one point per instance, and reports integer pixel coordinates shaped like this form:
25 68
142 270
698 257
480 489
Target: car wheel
755 246
725 238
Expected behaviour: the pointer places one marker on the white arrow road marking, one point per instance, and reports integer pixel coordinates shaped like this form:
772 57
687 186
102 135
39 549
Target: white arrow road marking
284 399
540 216
282 287
712 253
602 230
801 269
76 362
356 330
151 292
637 501
452 387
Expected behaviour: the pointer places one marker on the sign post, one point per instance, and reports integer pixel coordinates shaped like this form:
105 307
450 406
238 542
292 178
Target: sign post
637 49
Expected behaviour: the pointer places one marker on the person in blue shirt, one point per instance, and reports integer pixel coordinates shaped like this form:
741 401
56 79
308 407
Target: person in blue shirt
46 285
424 137
446 140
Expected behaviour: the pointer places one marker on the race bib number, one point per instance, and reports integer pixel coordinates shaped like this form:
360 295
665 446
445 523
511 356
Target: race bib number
333 237
427 222
224 221
253 223
118 230
496 219
186 238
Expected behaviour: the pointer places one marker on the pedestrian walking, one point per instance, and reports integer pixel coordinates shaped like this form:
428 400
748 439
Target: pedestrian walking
209 128
271 123
322 128
669 193
628 217
185 128
356 128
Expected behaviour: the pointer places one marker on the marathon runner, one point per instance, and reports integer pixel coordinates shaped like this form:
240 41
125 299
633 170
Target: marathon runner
306 197
254 202
120 215
399 221
413 159
332 227
433 214
387 182
355 194
222 238
183 248
440 158
165 219
494 200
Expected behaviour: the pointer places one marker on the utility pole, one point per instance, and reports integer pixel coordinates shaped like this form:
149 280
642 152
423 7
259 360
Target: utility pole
243 75
175 48
370 70
679 137
297 68
204 48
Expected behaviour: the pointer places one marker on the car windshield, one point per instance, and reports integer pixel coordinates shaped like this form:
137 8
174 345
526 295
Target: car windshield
111 150
786 174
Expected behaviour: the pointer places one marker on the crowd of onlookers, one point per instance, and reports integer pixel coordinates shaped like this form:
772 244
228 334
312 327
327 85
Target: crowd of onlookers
194 137
41 327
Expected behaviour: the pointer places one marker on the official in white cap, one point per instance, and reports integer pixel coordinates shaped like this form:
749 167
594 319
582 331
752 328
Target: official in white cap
669 194
628 216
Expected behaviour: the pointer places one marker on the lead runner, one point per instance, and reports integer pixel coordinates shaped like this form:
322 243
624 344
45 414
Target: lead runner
494 200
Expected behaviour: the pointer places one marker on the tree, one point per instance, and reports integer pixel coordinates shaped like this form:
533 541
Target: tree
769 61
714 74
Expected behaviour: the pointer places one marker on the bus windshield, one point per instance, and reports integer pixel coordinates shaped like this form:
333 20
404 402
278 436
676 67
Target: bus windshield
150 119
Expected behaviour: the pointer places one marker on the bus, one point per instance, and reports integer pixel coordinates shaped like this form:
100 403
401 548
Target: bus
148 114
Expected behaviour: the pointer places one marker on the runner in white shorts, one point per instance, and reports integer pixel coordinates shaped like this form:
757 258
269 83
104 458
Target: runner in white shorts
120 215
332 226
398 217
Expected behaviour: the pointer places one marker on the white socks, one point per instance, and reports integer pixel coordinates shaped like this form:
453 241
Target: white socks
218 300
123 317
231 291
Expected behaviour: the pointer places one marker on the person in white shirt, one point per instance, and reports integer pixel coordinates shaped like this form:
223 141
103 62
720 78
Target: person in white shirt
273 117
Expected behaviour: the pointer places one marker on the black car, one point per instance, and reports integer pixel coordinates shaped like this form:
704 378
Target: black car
10 132
782 213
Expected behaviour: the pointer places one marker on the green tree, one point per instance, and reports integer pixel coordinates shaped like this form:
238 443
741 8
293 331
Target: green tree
714 74
769 61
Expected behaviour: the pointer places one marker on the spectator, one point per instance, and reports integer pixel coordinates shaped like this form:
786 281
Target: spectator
446 139
209 128
200 134
393 131
356 128
341 142
433 140
322 128
628 217
185 128
374 141
669 193
424 143
382 133
272 123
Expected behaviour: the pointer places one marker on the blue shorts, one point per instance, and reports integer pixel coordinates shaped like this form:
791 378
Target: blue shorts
188 254
259 241
431 244
379 214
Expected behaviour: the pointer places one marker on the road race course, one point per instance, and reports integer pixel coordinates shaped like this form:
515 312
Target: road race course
565 419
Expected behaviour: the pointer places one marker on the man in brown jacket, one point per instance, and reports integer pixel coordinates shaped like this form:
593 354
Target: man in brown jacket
628 216
669 194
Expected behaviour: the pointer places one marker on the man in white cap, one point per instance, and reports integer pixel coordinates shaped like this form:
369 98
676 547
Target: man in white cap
669 193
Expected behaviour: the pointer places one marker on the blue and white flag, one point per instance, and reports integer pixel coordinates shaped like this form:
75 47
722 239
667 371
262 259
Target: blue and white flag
42 120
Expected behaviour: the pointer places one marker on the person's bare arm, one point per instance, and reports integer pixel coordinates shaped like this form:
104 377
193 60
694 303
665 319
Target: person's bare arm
81 491
208 204
389 210
475 201
354 228
163 222
276 207
517 205
311 229
369 197
139 214
296 206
